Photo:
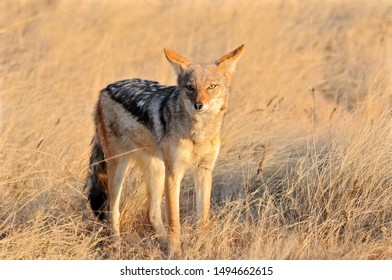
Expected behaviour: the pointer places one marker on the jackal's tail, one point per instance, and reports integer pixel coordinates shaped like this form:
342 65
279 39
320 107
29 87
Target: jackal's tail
96 184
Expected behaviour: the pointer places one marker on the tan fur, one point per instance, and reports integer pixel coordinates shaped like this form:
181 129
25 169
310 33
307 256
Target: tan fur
193 142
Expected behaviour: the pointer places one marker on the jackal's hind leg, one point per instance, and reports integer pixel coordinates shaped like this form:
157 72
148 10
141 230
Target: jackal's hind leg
154 176
116 169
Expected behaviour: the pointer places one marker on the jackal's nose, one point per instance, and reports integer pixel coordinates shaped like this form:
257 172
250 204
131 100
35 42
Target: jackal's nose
198 106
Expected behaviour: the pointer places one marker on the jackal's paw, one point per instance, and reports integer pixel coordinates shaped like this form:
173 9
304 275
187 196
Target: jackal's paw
203 224
174 252
163 241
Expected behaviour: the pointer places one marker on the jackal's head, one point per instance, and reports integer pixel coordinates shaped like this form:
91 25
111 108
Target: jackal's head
204 87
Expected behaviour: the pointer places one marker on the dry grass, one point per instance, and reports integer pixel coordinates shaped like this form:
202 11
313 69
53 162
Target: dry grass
305 169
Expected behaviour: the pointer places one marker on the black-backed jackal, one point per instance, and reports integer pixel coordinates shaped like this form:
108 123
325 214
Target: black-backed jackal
169 129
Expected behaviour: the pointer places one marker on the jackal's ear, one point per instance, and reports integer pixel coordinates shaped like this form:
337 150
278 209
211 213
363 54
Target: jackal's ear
179 62
227 62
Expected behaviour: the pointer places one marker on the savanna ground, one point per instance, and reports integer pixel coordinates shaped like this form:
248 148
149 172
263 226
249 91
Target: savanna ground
305 168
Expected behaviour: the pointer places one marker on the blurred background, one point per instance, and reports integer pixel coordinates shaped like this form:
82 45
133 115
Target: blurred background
305 165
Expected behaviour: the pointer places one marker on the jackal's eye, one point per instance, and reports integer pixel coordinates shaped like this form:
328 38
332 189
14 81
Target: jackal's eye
189 87
212 86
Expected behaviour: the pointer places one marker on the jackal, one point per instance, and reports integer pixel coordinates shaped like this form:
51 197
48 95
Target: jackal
165 130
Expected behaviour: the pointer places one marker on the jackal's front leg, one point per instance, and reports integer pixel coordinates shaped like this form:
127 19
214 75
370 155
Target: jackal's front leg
172 189
203 185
